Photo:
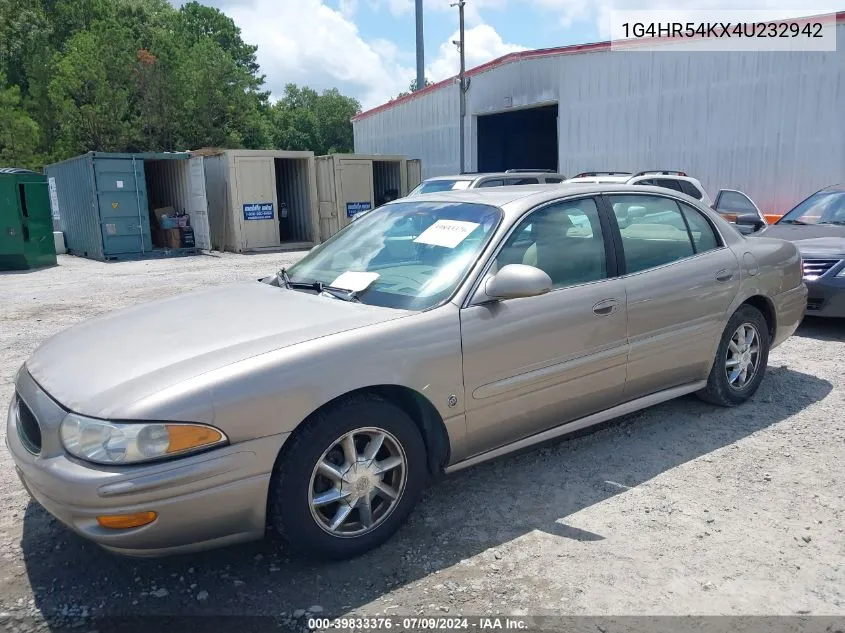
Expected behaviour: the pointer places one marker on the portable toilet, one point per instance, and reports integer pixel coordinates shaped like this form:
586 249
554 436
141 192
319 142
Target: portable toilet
349 184
110 205
26 227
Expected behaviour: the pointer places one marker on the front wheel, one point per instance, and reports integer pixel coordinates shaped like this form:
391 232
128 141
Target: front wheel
740 363
348 479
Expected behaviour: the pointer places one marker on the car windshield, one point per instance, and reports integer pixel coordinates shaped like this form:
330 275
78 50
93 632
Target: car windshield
823 207
408 255
441 184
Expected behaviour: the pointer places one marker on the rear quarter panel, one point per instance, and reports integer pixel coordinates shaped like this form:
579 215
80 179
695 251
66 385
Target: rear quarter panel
772 268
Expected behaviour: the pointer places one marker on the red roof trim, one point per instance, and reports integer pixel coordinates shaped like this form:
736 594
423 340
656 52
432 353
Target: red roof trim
573 49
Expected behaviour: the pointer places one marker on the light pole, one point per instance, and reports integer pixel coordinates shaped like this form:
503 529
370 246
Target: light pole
463 85
420 46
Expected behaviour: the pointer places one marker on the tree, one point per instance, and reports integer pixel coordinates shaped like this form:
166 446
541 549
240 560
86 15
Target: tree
91 91
156 126
305 120
219 104
132 75
18 132
412 87
196 22
334 114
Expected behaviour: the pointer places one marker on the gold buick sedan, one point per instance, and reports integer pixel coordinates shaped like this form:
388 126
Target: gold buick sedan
431 334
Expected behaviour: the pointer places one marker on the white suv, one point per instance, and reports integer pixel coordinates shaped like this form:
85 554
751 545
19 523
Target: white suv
493 179
669 179
729 203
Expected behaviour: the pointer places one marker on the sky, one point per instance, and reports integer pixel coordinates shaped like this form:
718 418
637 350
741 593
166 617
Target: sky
366 48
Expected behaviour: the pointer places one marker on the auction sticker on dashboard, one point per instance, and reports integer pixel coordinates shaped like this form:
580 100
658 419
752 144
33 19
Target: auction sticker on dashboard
354 280
448 233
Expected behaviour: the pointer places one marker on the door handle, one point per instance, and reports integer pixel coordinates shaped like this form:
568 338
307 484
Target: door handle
605 307
724 275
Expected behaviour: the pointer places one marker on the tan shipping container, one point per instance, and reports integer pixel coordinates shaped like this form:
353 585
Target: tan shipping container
414 173
349 184
261 199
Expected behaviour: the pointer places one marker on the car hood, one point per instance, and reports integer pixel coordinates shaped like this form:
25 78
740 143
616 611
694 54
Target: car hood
99 365
827 240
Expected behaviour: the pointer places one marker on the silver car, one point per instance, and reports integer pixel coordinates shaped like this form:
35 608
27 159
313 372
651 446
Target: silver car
511 177
431 335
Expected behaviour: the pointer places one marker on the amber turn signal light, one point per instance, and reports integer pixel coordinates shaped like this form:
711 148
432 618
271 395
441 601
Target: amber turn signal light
125 521
184 437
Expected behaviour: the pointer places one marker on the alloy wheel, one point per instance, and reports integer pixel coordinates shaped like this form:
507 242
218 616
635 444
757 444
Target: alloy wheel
357 482
743 356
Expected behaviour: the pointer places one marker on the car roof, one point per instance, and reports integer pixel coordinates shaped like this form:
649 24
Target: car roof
495 174
840 187
496 196
602 179
514 200
455 177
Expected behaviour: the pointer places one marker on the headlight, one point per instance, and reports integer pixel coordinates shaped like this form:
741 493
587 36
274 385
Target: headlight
104 442
841 273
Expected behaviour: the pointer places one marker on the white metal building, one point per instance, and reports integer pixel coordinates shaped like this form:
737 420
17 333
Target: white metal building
771 124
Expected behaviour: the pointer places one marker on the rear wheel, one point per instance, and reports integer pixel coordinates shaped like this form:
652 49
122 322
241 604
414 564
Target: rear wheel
740 363
348 479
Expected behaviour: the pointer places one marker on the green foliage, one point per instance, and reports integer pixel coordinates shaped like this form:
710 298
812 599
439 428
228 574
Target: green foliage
197 22
412 87
18 132
90 93
303 119
136 75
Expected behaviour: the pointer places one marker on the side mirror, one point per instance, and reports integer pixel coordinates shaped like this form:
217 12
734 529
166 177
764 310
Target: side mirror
516 281
750 220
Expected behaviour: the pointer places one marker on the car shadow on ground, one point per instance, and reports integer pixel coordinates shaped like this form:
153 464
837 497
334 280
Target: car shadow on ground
822 329
460 517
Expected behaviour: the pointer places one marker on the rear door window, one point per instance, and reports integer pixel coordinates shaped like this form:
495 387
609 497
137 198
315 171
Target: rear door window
703 235
690 189
653 231
496 182
668 183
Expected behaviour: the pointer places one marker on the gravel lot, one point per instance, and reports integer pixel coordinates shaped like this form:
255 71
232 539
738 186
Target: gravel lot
680 509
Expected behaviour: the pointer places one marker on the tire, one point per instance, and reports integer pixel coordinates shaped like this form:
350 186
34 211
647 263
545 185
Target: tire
297 486
720 390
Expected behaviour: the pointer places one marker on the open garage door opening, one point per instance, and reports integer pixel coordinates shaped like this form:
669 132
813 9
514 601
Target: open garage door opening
521 139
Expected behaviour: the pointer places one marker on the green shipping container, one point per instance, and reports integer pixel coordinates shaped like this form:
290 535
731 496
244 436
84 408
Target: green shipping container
26 224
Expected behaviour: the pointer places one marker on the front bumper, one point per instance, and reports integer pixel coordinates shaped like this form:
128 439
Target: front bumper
826 297
202 501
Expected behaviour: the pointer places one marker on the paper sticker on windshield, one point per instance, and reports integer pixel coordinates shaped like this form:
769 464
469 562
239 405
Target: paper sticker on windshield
354 281
448 233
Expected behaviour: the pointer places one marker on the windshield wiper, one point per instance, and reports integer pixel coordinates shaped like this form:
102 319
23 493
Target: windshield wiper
834 222
283 274
793 222
341 293
318 286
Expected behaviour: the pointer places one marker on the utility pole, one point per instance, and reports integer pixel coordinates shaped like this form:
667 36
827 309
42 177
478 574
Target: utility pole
462 79
420 46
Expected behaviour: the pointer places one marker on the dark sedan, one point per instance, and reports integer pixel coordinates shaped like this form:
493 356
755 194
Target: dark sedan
817 227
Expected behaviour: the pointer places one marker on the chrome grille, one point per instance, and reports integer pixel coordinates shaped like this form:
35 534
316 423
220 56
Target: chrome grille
815 268
28 429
